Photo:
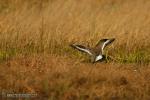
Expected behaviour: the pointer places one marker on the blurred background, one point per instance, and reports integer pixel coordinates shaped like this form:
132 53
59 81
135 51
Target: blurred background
35 56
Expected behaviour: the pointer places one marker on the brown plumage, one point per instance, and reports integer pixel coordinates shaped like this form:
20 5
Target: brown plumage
97 52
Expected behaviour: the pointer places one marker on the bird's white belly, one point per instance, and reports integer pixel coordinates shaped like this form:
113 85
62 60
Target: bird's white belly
98 57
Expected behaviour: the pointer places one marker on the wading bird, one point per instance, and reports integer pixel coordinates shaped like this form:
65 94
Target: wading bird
96 53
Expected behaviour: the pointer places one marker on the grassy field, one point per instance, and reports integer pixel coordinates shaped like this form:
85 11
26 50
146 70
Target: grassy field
35 56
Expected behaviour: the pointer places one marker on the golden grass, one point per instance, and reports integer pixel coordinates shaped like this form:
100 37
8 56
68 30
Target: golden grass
36 58
61 78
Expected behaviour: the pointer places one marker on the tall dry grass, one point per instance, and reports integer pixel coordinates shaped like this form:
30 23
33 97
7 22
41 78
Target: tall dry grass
49 26
34 48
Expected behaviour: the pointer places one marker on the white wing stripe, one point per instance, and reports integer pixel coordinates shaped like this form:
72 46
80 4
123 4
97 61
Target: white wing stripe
105 44
85 50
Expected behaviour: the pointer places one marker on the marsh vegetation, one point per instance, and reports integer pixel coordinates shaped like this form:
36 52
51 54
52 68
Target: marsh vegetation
35 56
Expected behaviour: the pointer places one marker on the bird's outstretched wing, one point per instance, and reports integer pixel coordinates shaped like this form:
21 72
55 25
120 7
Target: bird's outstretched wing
109 41
104 42
82 48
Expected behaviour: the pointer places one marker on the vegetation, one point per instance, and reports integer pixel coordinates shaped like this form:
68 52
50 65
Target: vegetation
35 56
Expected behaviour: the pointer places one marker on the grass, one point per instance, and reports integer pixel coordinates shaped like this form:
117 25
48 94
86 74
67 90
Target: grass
35 56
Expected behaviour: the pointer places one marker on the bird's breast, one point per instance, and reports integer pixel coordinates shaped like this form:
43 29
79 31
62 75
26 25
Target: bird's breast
99 57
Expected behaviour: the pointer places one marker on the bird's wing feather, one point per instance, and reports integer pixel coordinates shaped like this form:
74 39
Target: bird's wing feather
82 48
105 44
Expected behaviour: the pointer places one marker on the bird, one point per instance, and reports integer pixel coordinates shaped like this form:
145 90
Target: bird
96 53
